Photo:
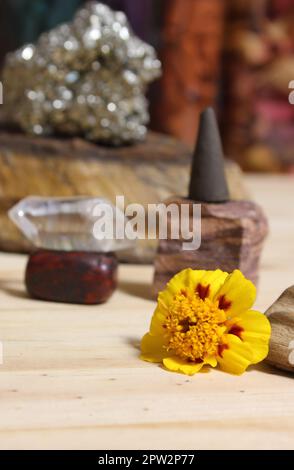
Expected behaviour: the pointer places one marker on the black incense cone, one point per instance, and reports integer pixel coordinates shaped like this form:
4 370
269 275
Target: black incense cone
208 182
232 232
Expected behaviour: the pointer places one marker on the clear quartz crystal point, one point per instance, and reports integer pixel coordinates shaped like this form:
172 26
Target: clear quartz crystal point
68 223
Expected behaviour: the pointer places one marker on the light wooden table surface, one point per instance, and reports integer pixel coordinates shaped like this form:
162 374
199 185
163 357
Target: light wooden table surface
71 376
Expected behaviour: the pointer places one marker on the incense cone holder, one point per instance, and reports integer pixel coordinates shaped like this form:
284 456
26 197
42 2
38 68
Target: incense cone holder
232 235
281 317
71 276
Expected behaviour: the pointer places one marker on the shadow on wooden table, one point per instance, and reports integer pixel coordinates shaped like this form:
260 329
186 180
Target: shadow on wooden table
134 342
136 289
268 369
14 289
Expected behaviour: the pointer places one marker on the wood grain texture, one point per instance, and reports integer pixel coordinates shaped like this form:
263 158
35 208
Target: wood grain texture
281 316
232 236
71 376
144 173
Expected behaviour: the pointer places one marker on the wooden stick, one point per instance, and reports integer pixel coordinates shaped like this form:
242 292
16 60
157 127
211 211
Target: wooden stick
281 316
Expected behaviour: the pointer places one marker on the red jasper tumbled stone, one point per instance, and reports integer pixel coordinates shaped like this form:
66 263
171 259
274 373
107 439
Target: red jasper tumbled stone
71 276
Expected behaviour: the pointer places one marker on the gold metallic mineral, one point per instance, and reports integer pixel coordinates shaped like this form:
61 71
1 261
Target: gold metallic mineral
87 78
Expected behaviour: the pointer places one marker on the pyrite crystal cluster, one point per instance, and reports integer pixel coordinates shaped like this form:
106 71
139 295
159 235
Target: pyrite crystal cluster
83 78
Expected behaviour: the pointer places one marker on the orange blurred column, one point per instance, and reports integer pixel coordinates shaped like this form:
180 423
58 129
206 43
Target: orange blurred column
192 44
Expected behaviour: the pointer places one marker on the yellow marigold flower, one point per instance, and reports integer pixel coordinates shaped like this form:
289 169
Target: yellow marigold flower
204 317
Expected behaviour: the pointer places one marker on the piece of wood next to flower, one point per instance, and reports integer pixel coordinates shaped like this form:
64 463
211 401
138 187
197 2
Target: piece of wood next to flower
232 232
204 318
281 317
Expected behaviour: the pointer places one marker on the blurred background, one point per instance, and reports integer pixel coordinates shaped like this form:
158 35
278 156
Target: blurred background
235 54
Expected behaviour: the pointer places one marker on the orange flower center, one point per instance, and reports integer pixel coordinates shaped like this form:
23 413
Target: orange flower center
194 327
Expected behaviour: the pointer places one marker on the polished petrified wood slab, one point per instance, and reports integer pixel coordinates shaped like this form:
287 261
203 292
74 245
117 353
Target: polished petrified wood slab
147 172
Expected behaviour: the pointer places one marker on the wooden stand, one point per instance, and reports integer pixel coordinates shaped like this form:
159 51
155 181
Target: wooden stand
232 238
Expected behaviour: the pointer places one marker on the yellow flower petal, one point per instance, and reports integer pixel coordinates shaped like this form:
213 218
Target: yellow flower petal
237 294
256 333
213 279
176 364
186 279
212 361
157 321
237 357
152 348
